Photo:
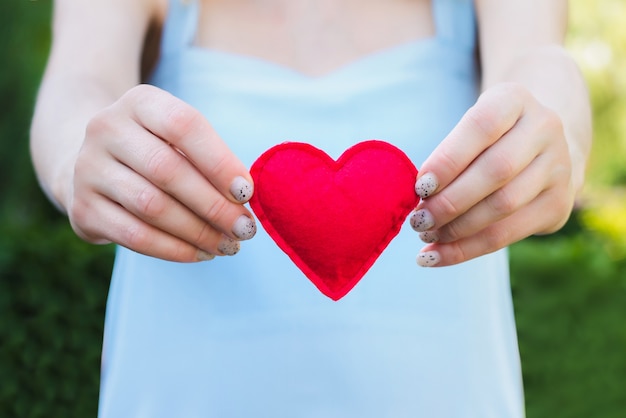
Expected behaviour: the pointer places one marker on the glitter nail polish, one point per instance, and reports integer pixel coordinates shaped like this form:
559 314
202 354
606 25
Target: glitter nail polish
244 227
241 189
422 220
426 185
429 237
428 259
228 246
204 256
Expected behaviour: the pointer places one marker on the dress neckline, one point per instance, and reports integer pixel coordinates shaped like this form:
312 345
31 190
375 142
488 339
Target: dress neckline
455 32
373 59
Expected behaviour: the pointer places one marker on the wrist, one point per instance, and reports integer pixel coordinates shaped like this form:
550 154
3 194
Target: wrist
59 189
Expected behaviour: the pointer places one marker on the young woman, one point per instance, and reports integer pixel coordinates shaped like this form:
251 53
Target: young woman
480 95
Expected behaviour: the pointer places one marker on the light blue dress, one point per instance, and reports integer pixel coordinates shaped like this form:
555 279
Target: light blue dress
249 335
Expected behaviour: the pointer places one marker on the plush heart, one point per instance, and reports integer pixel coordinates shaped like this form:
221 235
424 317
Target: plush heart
333 218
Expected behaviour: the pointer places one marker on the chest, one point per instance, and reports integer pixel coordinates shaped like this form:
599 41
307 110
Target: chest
313 37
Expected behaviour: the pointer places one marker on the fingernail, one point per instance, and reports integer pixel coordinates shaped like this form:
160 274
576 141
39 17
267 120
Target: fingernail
241 189
429 237
244 227
426 185
422 220
229 246
204 256
428 259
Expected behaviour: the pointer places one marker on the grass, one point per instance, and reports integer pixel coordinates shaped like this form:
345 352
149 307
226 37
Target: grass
570 303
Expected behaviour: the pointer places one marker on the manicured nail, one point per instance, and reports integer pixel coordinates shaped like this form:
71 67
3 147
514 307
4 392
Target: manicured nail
244 227
429 237
204 256
426 185
428 259
422 220
229 246
241 189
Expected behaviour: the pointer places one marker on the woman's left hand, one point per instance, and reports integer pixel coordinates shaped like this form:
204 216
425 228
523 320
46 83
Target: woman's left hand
502 174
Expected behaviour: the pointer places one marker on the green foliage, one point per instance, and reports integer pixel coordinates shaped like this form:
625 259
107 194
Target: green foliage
598 42
52 298
24 30
569 289
570 309
52 286
605 214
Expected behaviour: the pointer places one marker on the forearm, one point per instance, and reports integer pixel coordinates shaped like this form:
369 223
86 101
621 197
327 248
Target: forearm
90 66
552 76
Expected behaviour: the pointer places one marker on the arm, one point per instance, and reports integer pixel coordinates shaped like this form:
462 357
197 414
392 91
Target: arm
94 59
514 163
533 56
131 164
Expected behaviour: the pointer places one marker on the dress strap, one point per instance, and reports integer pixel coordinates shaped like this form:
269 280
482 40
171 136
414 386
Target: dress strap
180 25
455 22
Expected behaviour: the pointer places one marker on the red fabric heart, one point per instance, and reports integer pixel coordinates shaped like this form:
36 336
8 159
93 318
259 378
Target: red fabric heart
333 218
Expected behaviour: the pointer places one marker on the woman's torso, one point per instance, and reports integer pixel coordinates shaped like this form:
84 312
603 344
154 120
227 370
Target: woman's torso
249 335
312 37
309 36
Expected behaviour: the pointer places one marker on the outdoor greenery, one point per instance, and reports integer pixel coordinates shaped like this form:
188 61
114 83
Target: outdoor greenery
569 288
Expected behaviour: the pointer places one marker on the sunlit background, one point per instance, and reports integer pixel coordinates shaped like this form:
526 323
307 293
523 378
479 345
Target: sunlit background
569 288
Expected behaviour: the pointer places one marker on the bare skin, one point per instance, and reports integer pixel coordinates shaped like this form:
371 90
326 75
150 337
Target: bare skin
312 37
108 152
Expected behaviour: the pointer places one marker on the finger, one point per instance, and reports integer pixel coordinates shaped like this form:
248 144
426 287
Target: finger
495 113
537 134
103 220
488 173
160 210
179 124
516 227
168 170
500 204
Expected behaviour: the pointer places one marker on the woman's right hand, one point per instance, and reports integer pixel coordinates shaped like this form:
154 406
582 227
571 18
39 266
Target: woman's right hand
152 175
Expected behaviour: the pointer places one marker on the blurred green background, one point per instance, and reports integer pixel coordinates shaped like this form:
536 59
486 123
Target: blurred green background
569 288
